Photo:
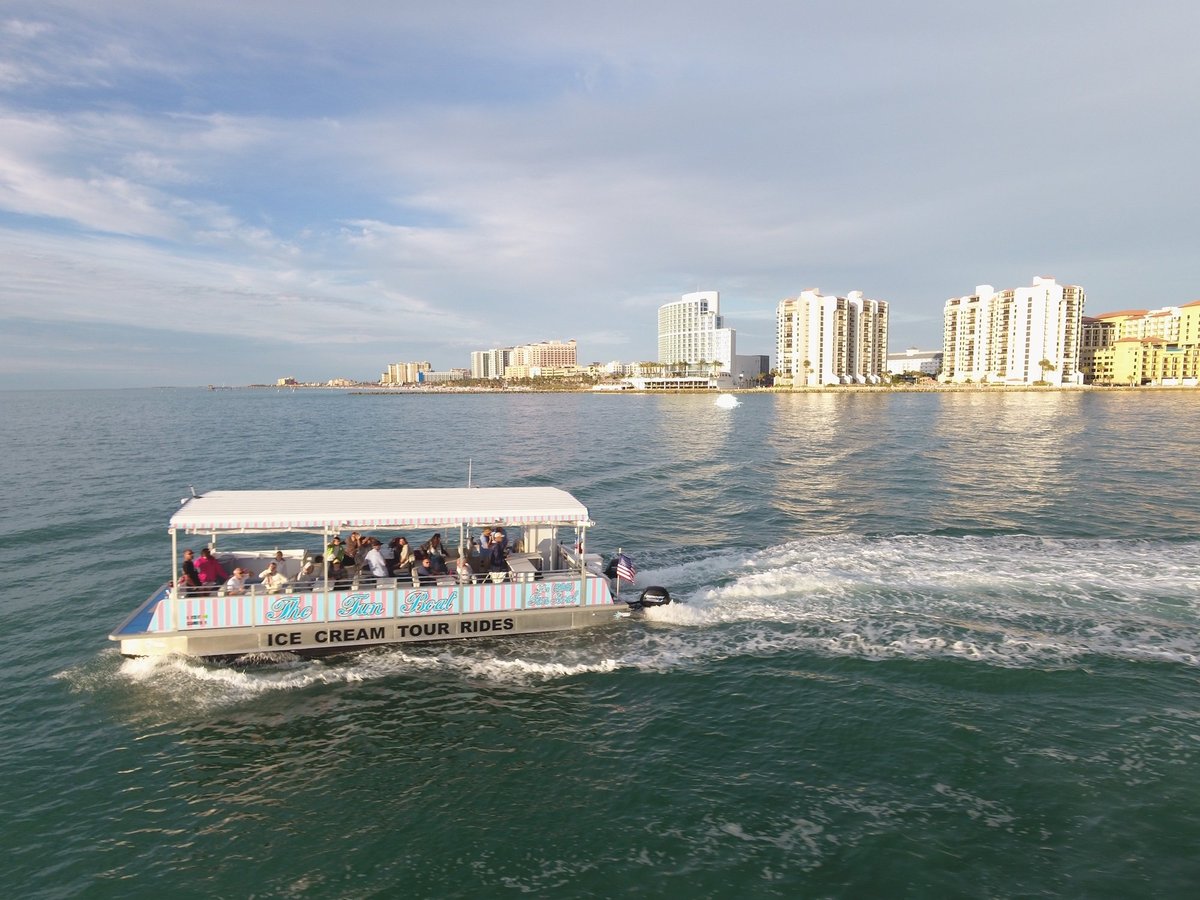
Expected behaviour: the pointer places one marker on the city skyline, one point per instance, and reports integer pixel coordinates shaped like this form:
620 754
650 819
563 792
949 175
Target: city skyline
216 193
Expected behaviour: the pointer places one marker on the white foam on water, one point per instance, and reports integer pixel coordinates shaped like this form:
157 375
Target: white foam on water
490 663
189 683
1015 601
198 683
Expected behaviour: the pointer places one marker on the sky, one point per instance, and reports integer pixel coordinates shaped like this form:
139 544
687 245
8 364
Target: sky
234 192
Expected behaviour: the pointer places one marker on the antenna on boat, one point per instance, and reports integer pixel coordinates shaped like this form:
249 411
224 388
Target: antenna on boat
192 488
469 461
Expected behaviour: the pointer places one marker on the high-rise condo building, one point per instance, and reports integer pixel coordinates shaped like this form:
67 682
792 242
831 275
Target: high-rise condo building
490 363
692 333
405 373
830 340
1017 336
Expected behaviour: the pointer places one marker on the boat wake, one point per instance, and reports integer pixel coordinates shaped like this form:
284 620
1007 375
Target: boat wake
1016 601
1005 601
198 684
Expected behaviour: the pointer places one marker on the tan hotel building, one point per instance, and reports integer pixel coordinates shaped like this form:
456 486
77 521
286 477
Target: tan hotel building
546 358
1139 346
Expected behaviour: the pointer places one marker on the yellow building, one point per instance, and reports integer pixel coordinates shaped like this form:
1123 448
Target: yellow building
1128 360
1137 346
1189 324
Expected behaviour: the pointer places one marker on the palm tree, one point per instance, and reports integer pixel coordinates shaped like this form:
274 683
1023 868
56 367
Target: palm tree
1046 366
807 370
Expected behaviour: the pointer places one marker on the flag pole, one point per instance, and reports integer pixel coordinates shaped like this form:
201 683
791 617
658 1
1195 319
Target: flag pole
618 575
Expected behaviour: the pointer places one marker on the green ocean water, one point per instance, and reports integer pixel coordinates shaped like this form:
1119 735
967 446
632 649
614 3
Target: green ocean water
930 645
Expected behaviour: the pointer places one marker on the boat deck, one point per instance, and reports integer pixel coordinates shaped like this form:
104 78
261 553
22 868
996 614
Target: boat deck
522 588
140 621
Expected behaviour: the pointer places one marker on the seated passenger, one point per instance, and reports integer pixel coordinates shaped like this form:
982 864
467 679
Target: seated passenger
310 572
404 555
340 577
389 556
423 572
434 548
237 584
373 560
212 573
272 579
437 564
463 569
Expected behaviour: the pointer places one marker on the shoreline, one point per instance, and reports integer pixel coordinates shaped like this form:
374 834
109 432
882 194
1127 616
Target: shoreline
366 390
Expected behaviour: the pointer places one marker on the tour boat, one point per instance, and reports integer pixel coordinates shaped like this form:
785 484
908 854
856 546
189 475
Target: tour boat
549 581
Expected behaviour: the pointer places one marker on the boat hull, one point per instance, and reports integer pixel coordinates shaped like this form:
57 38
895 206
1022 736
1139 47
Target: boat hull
325 637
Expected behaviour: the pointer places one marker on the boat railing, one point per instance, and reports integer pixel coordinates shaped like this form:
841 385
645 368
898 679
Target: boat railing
519 569
519 587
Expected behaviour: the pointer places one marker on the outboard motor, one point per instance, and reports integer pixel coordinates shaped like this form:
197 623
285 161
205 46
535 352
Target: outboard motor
650 597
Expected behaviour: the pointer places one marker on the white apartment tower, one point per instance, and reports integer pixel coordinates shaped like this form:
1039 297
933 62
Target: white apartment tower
1017 336
691 330
830 340
490 363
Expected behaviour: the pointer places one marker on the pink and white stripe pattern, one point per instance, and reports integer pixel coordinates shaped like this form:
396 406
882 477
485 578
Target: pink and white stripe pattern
192 613
490 597
207 612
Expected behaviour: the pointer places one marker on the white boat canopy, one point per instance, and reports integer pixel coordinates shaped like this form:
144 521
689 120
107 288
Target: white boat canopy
385 508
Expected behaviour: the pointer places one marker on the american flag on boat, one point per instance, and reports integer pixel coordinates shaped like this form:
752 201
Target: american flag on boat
626 570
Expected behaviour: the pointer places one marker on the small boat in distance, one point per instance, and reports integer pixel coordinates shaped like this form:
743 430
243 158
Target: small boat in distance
545 584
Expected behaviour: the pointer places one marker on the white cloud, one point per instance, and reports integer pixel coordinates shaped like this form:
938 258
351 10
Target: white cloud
20 28
456 172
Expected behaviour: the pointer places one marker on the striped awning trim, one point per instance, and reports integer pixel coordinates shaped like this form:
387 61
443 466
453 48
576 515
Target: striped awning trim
385 508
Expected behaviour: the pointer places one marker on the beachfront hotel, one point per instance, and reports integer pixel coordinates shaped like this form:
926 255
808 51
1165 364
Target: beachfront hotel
1139 346
556 358
546 358
405 373
830 340
692 334
1017 336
